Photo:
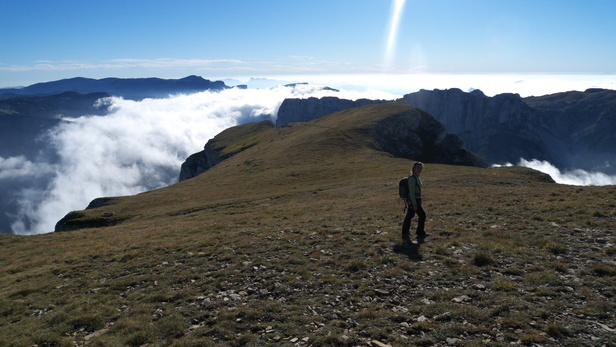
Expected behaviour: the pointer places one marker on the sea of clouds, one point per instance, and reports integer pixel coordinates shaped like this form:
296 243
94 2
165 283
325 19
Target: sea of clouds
138 146
572 177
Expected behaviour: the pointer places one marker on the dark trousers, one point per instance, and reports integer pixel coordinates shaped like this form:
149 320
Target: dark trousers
406 224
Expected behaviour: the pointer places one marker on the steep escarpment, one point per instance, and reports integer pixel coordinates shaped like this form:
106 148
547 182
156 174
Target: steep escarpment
585 122
223 146
500 128
570 130
304 110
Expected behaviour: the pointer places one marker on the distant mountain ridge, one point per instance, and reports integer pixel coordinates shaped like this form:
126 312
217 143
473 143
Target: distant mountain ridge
129 88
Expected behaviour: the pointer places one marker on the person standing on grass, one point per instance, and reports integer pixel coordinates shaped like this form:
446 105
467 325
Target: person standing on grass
414 203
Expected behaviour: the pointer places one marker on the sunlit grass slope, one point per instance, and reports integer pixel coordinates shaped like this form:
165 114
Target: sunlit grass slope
295 241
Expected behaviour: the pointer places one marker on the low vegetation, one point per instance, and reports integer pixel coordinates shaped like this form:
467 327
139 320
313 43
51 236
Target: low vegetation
305 251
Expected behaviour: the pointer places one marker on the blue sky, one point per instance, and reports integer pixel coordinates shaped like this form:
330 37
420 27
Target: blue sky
49 40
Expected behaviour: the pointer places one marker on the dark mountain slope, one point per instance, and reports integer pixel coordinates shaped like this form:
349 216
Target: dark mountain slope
129 88
24 119
585 121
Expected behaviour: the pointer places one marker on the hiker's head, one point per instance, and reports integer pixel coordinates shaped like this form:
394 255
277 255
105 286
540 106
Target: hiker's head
417 168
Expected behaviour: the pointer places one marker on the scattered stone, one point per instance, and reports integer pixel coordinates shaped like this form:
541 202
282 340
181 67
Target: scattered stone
443 317
606 328
95 334
461 299
377 343
452 341
382 291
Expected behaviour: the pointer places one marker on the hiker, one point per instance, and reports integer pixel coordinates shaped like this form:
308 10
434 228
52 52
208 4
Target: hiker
414 205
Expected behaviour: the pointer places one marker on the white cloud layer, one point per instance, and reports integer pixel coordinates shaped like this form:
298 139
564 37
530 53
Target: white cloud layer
139 146
574 177
21 167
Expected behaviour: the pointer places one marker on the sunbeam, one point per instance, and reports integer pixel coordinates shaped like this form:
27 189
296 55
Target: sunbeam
398 5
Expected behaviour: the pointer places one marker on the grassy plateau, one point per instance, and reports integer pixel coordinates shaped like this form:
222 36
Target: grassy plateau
295 241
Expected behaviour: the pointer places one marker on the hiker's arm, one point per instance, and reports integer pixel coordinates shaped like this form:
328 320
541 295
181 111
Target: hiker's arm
412 189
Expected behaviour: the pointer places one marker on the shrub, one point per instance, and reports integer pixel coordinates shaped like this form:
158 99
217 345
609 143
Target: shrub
482 259
356 266
556 248
603 269
557 331
87 322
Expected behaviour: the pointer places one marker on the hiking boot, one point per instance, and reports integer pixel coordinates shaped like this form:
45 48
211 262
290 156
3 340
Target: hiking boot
422 236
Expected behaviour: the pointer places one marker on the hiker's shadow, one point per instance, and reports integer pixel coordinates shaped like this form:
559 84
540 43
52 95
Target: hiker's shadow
410 249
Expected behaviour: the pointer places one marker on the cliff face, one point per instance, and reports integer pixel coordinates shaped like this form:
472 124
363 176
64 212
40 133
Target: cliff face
586 123
220 148
562 128
304 110
501 128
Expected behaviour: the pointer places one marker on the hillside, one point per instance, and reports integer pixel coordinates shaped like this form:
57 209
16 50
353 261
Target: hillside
395 128
294 241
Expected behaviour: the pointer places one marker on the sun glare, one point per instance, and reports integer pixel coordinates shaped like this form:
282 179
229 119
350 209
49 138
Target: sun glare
398 5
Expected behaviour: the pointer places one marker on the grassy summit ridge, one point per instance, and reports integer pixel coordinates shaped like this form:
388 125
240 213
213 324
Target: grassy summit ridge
294 241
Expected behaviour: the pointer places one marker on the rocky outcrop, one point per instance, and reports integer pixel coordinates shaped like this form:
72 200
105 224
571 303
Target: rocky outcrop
423 138
304 110
218 149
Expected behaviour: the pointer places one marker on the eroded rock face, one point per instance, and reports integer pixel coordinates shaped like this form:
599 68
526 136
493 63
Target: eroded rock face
420 136
570 130
218 149
304 110
500 128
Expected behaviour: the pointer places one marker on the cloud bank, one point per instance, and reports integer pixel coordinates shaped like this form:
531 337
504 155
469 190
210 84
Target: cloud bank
573 177
138 146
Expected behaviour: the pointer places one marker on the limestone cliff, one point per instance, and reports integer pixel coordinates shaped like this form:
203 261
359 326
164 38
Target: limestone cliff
304 110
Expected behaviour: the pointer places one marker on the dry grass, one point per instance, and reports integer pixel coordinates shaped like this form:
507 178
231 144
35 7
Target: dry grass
304 250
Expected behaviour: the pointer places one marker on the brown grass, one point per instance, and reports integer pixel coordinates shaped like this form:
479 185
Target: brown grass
282 246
